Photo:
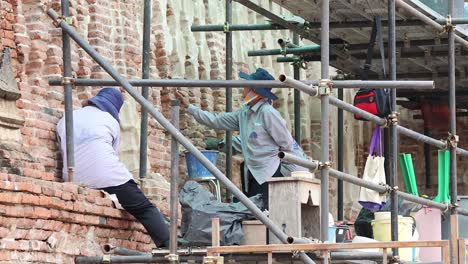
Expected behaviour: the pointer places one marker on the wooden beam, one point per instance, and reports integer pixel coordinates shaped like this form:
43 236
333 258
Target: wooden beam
461 251
215 236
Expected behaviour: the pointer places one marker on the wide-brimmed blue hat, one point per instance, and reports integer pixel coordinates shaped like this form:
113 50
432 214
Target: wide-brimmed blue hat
260 74
110 100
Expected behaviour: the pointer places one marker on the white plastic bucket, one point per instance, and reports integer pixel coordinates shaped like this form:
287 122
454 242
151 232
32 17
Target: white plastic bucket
381 229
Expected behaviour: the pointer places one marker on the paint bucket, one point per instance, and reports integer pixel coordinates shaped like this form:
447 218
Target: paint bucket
381 229
195 168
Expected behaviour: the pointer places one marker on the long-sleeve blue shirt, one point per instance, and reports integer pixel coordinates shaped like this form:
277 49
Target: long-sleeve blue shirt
263 133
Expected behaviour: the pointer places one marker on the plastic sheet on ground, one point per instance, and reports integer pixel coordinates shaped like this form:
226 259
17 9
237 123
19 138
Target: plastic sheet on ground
199 206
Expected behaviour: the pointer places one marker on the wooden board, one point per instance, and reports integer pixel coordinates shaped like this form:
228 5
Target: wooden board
335 246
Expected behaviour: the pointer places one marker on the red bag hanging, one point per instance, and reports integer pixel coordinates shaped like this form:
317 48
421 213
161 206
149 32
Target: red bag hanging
374 101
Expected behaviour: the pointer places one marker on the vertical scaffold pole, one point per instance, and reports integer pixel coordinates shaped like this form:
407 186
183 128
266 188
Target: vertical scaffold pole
297 98
68 90
393 134
325 120
453 136
145 89
228 90
174 203
340 214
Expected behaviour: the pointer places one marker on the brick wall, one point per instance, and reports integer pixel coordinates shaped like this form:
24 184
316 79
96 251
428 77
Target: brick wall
51 222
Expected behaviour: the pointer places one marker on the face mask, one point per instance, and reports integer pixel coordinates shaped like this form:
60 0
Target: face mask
250 96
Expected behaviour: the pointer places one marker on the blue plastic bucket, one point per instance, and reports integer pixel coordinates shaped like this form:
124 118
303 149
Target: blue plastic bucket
194 167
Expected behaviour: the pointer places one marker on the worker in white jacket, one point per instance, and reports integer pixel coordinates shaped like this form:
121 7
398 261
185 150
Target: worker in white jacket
97 165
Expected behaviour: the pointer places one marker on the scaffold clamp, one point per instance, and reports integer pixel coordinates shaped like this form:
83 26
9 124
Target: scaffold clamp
284 51
449 26
392 119
324 87
172 257
58 20
68 80
106 259
452 140
387 187
326 164
226 27
299 61
296 254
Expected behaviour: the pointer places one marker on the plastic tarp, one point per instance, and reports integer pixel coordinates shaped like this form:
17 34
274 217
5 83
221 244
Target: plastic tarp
199 206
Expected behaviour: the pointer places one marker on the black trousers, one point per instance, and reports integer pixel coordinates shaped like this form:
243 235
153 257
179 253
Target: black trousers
255 188
135 202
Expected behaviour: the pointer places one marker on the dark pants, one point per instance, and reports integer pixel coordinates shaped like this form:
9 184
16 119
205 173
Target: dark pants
255 188
135 202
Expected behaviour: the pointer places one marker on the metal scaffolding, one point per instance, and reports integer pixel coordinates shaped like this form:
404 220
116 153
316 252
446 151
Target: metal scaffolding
319 88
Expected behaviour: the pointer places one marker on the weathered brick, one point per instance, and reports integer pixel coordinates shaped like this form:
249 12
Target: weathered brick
41 212
10 198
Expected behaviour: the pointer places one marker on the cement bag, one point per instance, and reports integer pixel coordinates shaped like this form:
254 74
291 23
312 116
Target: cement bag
199 206
374 172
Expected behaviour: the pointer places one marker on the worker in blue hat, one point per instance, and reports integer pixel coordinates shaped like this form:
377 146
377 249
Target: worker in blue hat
262 134
96 142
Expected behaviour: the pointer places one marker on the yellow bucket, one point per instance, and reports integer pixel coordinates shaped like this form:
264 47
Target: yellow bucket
381 229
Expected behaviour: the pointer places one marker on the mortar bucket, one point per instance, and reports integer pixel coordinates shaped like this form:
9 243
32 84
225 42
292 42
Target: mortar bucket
195 168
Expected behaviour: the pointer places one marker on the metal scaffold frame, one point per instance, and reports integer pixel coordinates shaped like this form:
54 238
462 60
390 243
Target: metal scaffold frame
319 88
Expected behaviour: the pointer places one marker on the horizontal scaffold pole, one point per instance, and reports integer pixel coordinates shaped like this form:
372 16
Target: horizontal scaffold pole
311 25
241 27
247 83
453 20
297 51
